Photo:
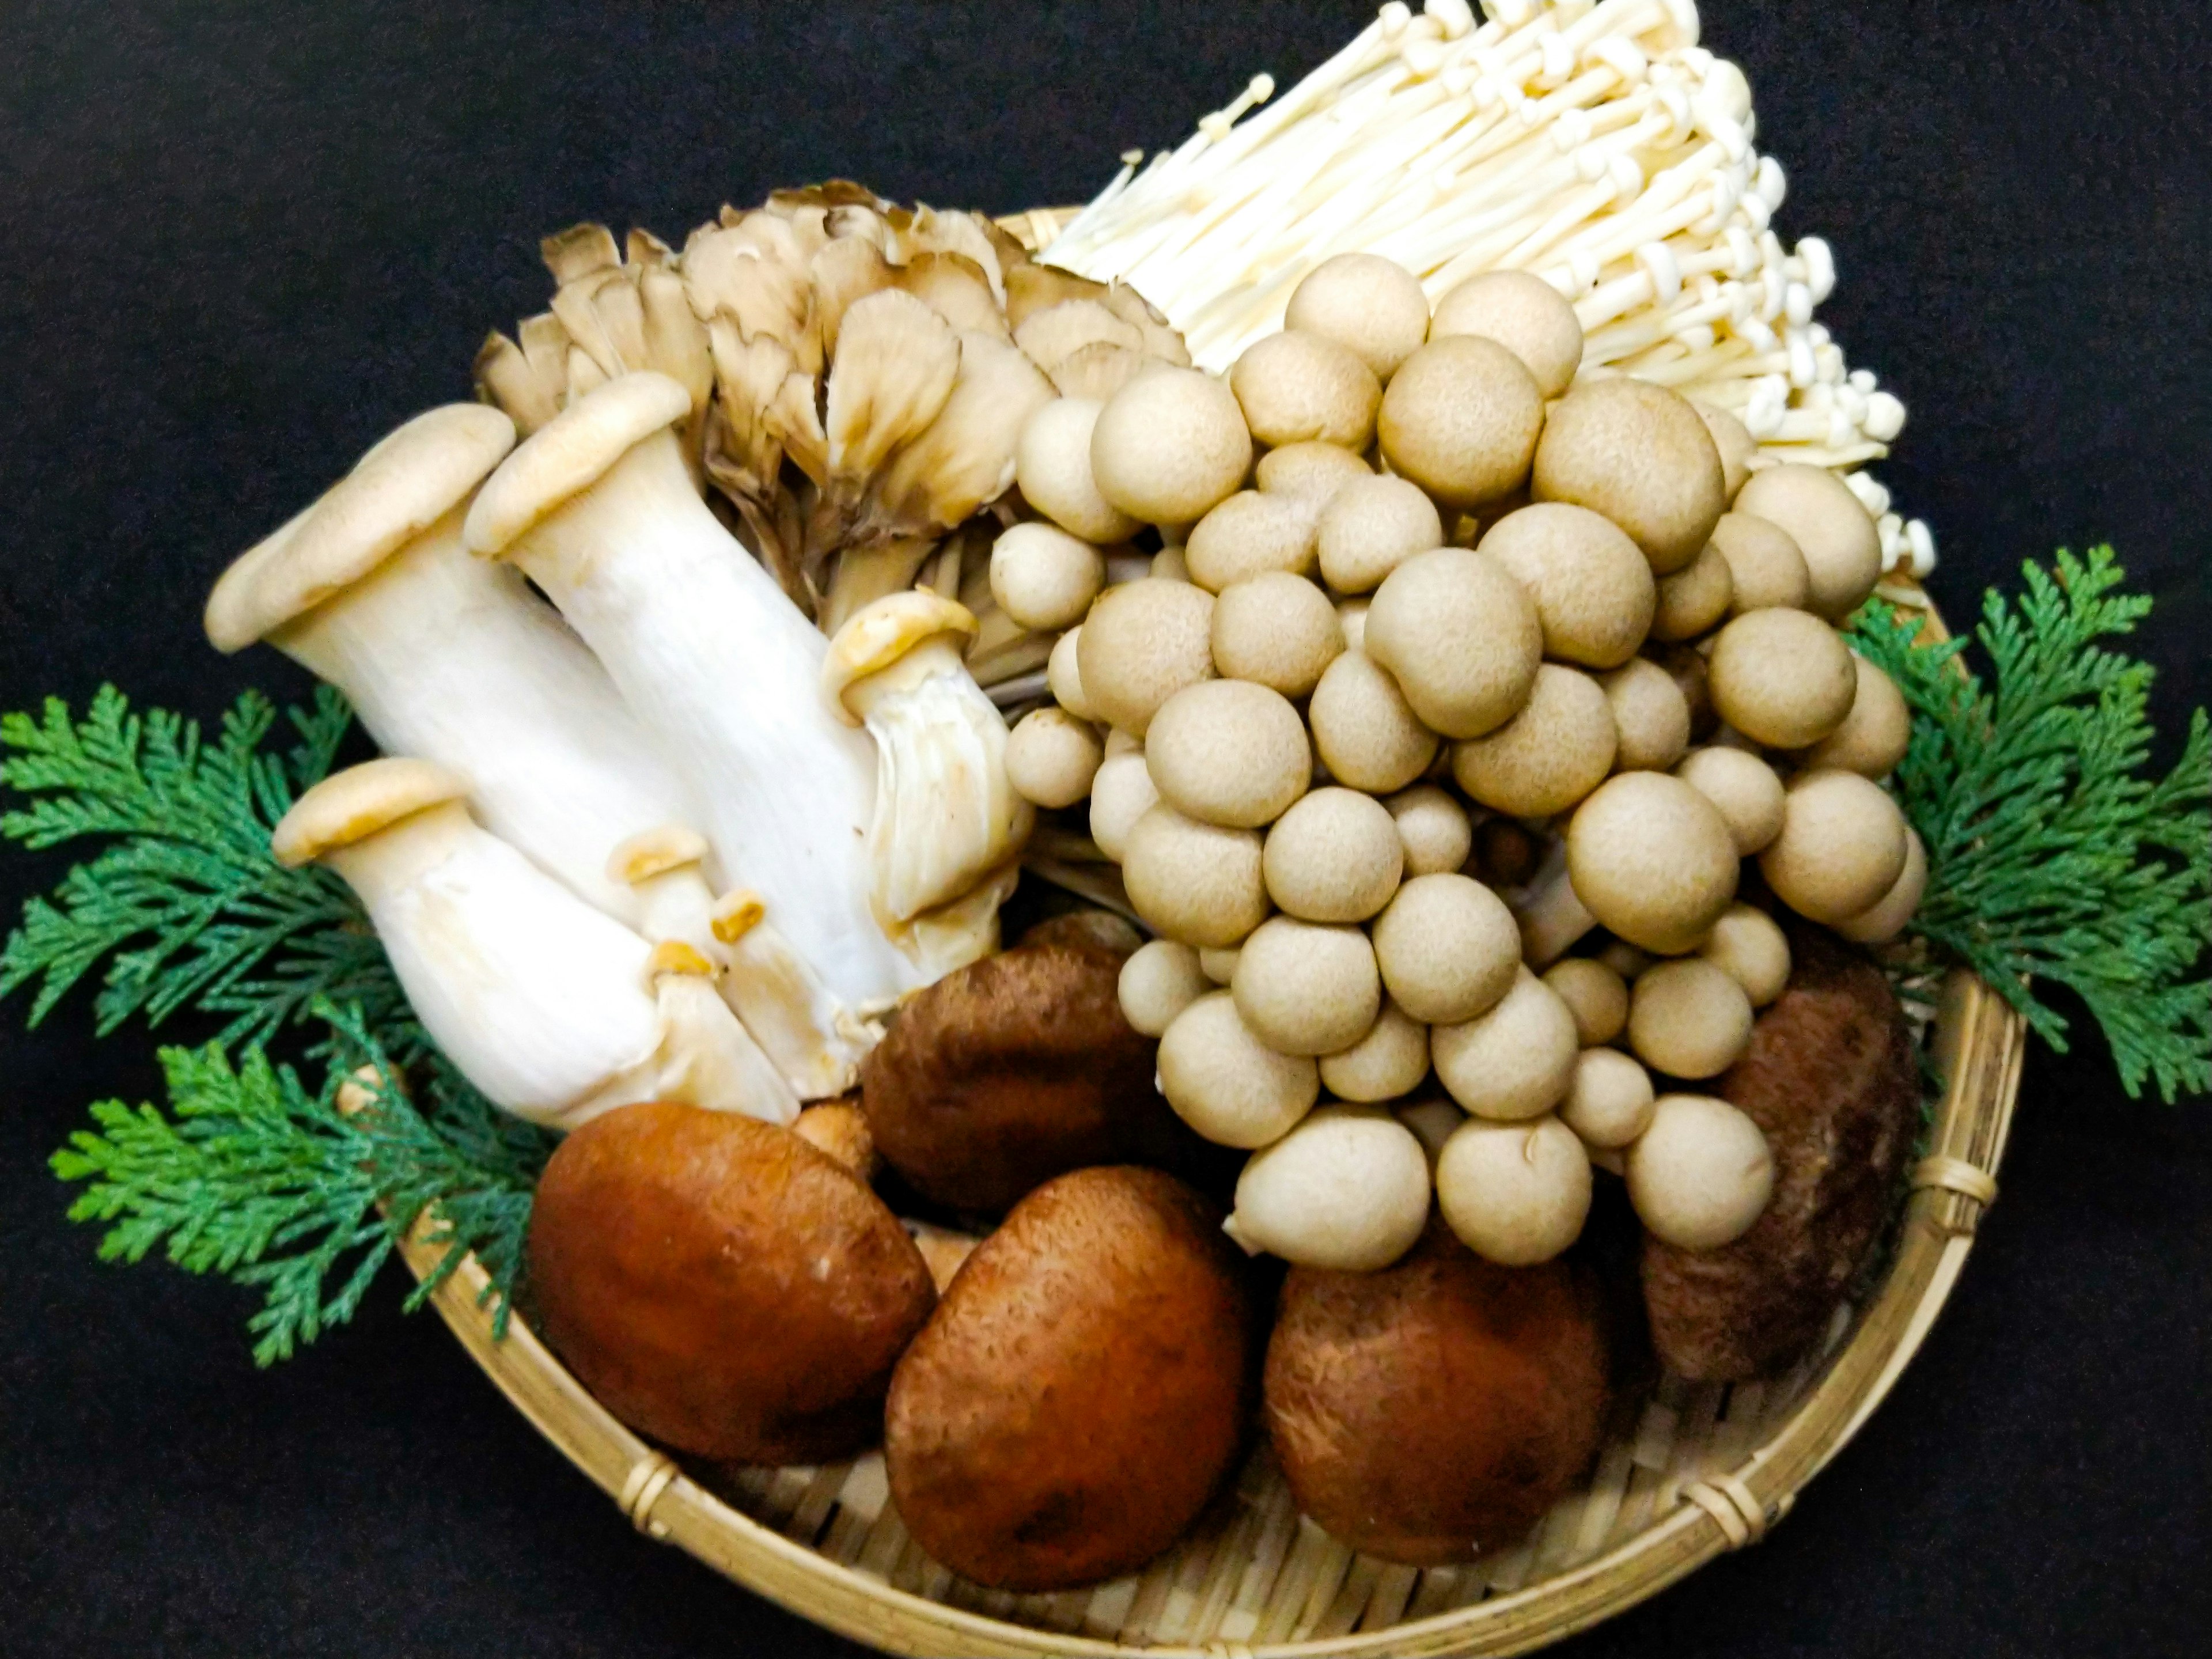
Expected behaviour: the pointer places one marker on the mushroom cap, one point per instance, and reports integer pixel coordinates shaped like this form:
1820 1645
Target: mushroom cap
1734 442
1275 629
1227 1084
1170 445
570 453
1639 454
1695 598
1526 315
1051 758
1434 829
1122 793
1650 716
1460 636
1219 967
1765 569
1052 465
1594 591
1595 995
1783 678
1158 981
1516 1194
1515 1060
1347 1189
1433 1122
409 481
1875 734
1370 527
1448 947
1842 847
1044 578
1688 1018
1194 882
1247 535
1297 388
1890 914
1831 528
1363 729
655 851
1306 987
1310 472
1372 306
1144 642
1228 752
1461 419
1750 947
1558 748
1334 856
1745 789
362 801
1063 675
1653 859
1701 1174
880 633
1609 1102
1387 1064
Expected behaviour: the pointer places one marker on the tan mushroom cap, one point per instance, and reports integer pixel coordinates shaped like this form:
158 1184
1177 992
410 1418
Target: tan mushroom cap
1695 598
1307 988
1228 752
1686 666
1052 756
1734 442
1461 419
1333 857
1346 1191
1609 1102
1122 793
1063 675
1765 569
570 453
1595 995
655 851
1373 306
1460 636
1370 527
1745 789
1558 748
1516 1058
1170 446
1650 716
1387 1064
1831 527
1515 1194
1701 1174
1363 729
1593 591
1144 642
1297 388
1227 1084
1311 472
1434 829
1433 1121
1875 734
1044 578
350 806
1688 1018
1750 947
1219 967
1843 847
1194 882
1783 678
1052 466
1890 914
1278 630
409 481
1158 981
1526 315
1247 535
878 634
1639 454
1448 947
1653 859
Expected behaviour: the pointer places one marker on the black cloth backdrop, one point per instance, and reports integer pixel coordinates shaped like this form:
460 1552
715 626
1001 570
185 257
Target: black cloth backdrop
244 240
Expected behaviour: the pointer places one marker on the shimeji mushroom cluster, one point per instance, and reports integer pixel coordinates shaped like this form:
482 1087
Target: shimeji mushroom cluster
1481 666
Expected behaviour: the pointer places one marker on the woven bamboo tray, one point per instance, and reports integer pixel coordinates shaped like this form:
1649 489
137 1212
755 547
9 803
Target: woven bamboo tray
1693 1471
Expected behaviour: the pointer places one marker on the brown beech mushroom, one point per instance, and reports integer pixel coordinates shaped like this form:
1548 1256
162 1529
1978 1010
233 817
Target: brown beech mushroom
1063 675
1351 617
1335 856
1595 995
1372 306
1309 472
1448 948
1593 593
1526 315
1701 1174
1433 1122
1460 636
1461 420
840 1128
1307 988
1052 465
1733 440
1363 729
1743 787
1688 1018
1515 1194
1387 1064
1653 859
1831 528
1875 734
1228 752
1052 756
1170 445
1044 578
1558 748
1695 598
1515 1060
1143 643
1247 535
1434 829
1296 387
1093 929
1158 983
1639 454
1609 1102
1276 630
1226 1083
1219 966
1750 946
1783 678
1650 716
1347 1189
1842 847
1199 883
1370 527
1765 569
1122 793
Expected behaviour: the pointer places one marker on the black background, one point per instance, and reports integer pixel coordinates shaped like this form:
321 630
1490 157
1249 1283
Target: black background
243 241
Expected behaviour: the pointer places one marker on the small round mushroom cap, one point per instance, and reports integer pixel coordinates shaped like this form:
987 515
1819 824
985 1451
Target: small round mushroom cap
1387 1064
1842 847
1650 716
1168 565
1513 1062
1609 1102
1194 882
1515 1194
840 1128
1122 793
1248 535
1688 1018
1144 642
1063 675
1750 947
1734 443
1558 748
570 453
1625 959
1461 419
1526 315
1874 736
1219 967
1460 636
1373 306
1695 598
1653 859
1889 916
1228 752
1831 527
1743 787
1051 758
1170 446
1052 465
1119 742
1434 829
1363 729
879 634
1305 987
1044 578
1158 981
350 806
1227 1084
1638 454
1448 947
1309 472
1370 527
1593 593
1595 995
1276 630
1296 387
1433 1123
1335 857
1701 1174
1783 678
1765 570
1351 617
655 851
1348 1190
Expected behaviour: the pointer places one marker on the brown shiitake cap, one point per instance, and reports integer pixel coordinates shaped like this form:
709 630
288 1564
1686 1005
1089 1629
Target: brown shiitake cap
1052 756
1701 1174
1688 1018
1650 716
1766 570
1594 591
1461 419
1228 1085
1653 859
1638 454
1143 643
652 852
1595 995
1333 857
1371 304
1308 471
1194 882
1044 578
1278 630
570 453
1170 444
1783 678
1370 527
1158 981
362 801
1695 598
1460 636
1122 793
1831 527
1526 315
1750 947
1363 729
1842 847
408 482
1515 1194
1515 1060
1874 736
1228 752
1434 829
1889 915
1387 1064
1296 387
1745 789
1609 1102
1448 947
1052 465
1248 535
1556 750
1734 443
1307 988
882 632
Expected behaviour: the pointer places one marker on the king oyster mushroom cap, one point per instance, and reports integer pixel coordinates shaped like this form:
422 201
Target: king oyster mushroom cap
1638 454
1831 527
714 659
555 1011
1348 1190
452 660
1522 313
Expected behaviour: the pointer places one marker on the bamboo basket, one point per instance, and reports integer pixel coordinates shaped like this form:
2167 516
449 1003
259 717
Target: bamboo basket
1691 1472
